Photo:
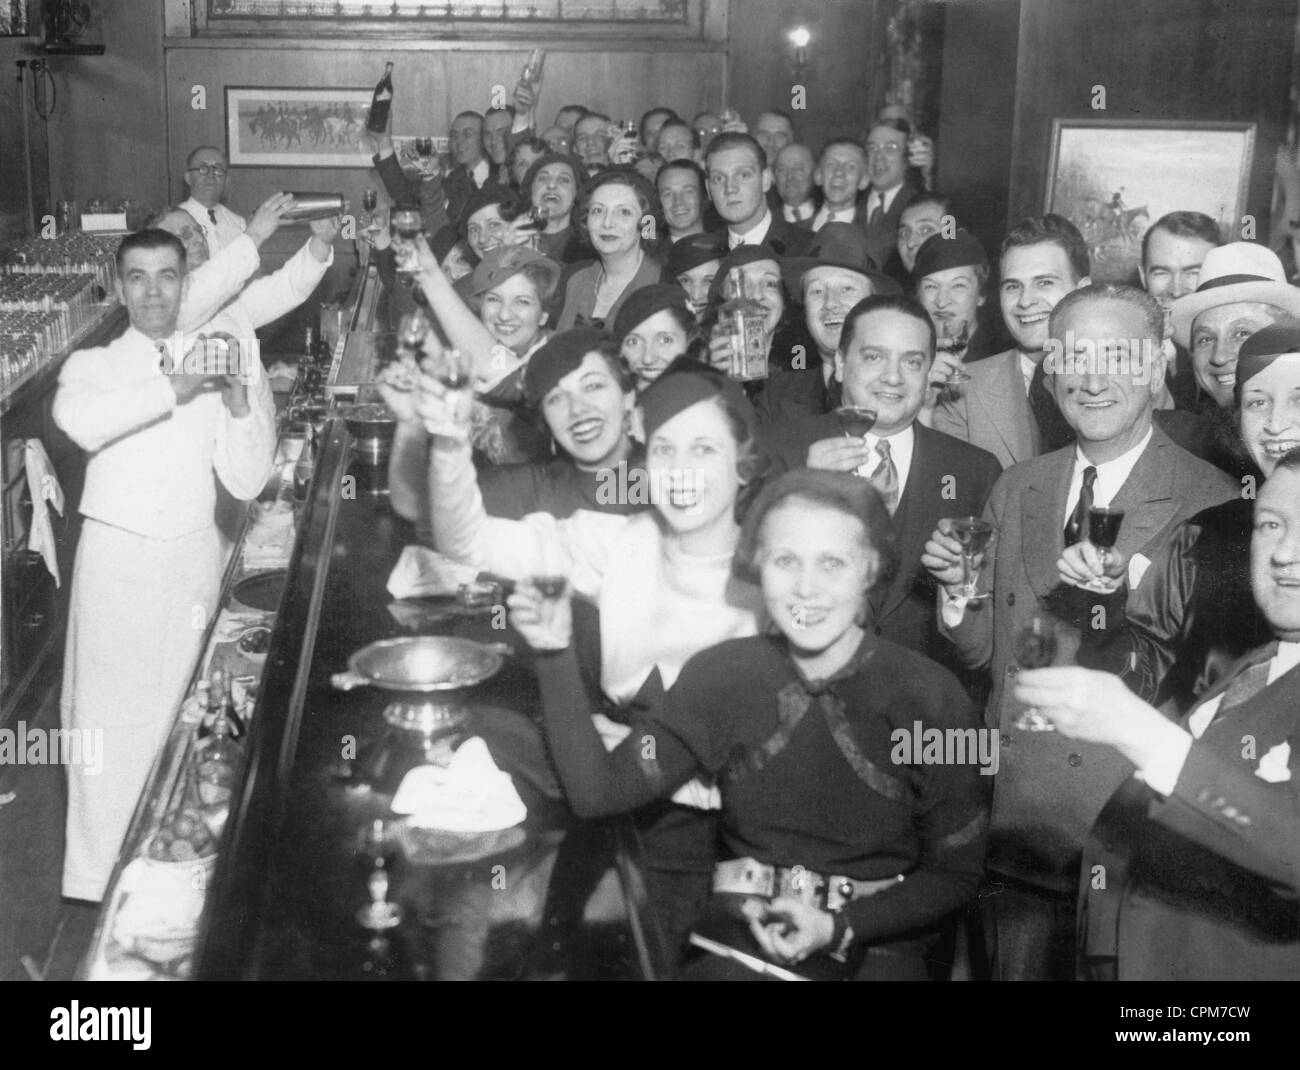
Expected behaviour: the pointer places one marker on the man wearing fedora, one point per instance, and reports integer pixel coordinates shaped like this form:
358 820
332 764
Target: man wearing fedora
1242 288
834 277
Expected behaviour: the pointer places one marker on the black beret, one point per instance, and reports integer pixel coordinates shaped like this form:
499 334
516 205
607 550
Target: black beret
564 352
645 302
939 253
684 383
1262 348
694 250
740 256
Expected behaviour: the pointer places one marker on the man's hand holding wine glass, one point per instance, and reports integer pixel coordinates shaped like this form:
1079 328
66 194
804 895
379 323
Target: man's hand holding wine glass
1084 565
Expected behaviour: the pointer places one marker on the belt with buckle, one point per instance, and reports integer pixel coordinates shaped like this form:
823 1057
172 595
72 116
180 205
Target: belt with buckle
745 876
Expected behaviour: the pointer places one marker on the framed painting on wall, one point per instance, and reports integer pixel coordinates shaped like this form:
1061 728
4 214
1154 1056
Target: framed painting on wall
1114 178
276 127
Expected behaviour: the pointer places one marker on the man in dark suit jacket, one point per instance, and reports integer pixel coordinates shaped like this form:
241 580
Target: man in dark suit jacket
793 195
887 346
1192 872
1049 791
738 176
473 169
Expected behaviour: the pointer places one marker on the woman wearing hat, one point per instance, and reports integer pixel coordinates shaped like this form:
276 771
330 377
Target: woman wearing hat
694 262
841 859
1192 613
660 580
612 212
654 327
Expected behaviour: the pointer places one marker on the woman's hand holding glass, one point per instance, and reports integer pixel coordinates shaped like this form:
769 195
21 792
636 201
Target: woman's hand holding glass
542 615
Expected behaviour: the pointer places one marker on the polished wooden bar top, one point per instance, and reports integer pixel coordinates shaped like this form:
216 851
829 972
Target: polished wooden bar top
322 768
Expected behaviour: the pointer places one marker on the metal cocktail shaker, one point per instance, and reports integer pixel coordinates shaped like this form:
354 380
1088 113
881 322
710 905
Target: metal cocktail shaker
309 206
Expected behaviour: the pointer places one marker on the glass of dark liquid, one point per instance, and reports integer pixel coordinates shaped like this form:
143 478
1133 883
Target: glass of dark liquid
855 421
1036 647
1103 531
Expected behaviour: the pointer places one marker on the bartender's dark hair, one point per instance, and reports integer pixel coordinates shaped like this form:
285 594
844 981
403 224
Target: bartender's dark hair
841 491
149 238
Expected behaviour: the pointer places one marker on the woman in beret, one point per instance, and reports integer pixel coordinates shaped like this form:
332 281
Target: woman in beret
843 854
654 327
1192 613
617 214
660 580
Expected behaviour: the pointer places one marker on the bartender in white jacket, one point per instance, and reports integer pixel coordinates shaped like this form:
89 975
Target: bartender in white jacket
148 562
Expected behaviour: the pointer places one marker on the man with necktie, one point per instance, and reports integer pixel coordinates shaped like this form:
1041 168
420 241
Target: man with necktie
205 176
842 175
148 567
886 350
1006 407
1192 872
890 189
1049 790
738 176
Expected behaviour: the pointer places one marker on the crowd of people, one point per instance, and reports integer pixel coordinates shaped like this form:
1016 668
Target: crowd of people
735 656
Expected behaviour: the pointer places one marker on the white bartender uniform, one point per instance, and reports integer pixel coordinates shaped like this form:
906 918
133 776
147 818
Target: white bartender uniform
148 569
220 225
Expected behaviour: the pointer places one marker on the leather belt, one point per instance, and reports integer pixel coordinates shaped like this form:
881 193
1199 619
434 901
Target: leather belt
745 876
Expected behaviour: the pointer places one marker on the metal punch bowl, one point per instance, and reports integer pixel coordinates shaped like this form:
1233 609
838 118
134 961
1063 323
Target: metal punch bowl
372 427
431 676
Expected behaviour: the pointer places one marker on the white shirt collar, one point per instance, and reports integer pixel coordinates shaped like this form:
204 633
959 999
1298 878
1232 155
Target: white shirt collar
798 214
1111 475
884 199
1286 659
826 215
480 172
755 234
1027 369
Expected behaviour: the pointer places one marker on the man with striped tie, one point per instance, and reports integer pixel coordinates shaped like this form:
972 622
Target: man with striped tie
1192 871
205 176
886 350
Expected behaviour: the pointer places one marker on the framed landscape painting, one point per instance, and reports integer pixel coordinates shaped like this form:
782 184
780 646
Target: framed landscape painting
1114 178
271 127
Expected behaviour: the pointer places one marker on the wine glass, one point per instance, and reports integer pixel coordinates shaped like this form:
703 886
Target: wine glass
370 199
855 421
407 225
953 338
1103 527
974 535
1036 647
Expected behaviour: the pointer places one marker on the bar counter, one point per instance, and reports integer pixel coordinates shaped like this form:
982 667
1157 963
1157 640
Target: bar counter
292 873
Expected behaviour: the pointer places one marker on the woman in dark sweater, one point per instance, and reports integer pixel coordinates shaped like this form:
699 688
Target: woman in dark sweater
844 851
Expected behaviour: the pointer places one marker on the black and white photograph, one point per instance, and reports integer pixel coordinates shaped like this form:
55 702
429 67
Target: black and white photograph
651 490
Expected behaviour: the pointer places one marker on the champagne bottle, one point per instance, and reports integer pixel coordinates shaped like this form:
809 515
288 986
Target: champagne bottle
382 102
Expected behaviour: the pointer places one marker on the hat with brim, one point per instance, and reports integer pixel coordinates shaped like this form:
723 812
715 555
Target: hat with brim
506 261
836 245
686 254
740 256
1238 272
1264 347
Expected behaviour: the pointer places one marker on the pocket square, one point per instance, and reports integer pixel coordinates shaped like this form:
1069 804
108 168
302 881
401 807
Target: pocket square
1275 766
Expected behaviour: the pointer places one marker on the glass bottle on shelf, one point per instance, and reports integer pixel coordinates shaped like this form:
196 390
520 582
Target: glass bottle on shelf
221 707
305 467
741 319
218 758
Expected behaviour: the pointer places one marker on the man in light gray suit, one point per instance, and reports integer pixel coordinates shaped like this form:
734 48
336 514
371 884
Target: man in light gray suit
1050 789
1043 259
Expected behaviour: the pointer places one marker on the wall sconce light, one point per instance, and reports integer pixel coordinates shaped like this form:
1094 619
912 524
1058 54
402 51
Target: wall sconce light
799 38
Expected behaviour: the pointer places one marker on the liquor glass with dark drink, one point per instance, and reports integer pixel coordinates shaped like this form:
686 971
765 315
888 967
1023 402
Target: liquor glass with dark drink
974 535
855 421
1036 647
1103 527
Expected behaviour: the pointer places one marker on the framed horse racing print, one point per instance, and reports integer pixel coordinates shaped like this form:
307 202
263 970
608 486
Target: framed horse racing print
271 127
1113 178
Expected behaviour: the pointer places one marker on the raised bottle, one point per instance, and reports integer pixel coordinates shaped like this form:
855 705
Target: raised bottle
382 102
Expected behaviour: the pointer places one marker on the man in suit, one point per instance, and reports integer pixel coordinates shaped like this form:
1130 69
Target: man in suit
736 168
830 281
1192 873
1050 790
884 357
792 176
1006 407
473 169
890 191
842 175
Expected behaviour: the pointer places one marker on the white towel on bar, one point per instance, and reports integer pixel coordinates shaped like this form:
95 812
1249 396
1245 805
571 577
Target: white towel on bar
45 490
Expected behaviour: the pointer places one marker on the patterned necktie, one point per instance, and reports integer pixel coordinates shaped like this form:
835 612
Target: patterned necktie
885 477
1078 522
212 214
